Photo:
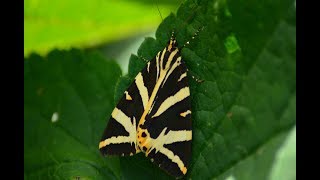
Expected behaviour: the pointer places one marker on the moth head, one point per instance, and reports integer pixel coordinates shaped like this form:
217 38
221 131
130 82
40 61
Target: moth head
172 44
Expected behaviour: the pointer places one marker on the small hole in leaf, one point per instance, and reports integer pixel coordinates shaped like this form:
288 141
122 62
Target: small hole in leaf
55 117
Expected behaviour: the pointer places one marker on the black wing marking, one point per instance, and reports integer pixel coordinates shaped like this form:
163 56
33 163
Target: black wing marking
119 137
154 115
165 132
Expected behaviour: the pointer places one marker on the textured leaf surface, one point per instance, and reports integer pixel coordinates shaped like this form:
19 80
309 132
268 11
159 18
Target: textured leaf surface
67 98
246 55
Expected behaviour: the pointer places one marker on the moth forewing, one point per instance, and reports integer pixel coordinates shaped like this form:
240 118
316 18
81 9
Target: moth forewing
154 114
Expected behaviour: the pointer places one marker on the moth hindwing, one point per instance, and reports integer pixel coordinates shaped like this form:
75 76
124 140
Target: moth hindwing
154 115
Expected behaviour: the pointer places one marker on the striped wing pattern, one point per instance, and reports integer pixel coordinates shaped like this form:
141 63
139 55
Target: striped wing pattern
154 115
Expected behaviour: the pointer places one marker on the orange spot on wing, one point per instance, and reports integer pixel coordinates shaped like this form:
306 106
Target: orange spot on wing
184 170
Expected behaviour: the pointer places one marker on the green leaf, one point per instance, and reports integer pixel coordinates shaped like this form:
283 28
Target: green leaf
263 164
68 96
285 163
246 57
86 23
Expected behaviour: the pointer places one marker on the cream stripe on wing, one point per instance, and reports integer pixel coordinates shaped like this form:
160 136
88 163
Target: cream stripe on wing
173 67
128 97
148 66
115 140
143 91
169 138
125 121
172 100
174 158
184 114
178 136
172 54
157 61
161 59
182 76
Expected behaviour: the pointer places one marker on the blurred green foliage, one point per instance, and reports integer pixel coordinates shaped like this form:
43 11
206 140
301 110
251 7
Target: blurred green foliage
87 23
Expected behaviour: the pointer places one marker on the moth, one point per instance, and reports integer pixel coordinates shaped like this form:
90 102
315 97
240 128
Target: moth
154 114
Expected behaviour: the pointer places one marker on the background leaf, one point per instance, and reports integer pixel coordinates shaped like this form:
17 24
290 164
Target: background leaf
87 23
78 88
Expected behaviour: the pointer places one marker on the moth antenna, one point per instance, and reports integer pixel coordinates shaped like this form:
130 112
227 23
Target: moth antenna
159 10
196 79
194 36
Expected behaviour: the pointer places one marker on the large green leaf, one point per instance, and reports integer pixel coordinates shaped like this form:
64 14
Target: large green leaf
246 57
68 96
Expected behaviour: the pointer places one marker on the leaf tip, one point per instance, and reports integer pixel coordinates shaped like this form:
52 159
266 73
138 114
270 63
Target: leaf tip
231 44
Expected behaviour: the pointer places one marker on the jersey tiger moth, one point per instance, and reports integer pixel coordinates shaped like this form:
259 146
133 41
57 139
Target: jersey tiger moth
154 114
